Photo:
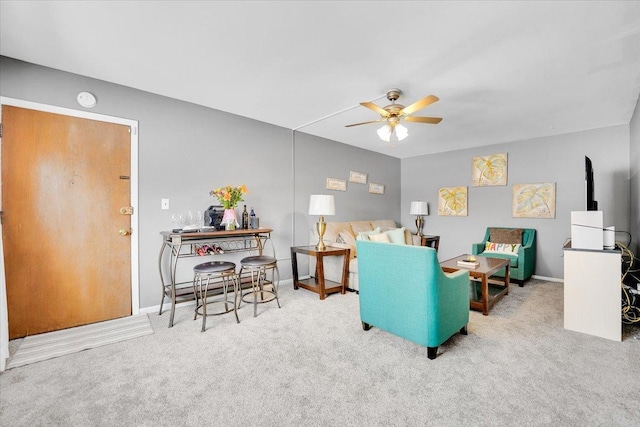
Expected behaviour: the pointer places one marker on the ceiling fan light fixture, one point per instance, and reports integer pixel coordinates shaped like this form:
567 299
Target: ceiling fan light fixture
392 131
385 133
397 132
401 132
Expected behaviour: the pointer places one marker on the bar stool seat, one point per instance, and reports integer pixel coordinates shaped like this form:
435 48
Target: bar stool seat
258 266
221 272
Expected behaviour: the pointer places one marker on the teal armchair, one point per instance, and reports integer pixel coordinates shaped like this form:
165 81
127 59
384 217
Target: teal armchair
521 265
404 291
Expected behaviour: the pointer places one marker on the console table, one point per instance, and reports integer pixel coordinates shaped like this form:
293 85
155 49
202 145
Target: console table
185 244
318 284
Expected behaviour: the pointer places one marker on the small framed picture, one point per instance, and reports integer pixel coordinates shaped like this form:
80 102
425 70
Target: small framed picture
376 188
336 184
357 177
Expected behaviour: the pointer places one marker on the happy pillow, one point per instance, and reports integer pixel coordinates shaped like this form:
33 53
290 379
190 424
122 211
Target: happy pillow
502 248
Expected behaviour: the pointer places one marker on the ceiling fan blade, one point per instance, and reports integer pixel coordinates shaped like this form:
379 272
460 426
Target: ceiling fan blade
364 123
432 120
374 107
418 105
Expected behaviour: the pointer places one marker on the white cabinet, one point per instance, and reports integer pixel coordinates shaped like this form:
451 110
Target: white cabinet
592 293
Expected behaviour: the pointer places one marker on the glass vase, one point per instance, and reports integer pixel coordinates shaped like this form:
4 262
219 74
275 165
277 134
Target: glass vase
230 219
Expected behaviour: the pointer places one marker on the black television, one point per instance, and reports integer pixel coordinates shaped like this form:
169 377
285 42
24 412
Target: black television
591 205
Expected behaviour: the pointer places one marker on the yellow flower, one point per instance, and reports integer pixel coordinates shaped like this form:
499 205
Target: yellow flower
229 196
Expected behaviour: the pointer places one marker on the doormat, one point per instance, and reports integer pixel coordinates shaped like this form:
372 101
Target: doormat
37 348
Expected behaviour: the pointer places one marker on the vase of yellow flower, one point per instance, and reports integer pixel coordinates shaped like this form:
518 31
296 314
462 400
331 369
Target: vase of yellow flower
229 197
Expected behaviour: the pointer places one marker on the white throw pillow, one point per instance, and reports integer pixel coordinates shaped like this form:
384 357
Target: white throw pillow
348 239
382 237
396 236
364 235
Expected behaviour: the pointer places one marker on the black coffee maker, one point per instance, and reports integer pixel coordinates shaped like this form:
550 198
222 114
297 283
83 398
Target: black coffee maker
213 217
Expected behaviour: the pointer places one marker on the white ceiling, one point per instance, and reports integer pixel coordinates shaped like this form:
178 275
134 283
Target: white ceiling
504 71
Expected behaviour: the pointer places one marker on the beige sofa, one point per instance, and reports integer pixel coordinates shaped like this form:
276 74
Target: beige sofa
344 235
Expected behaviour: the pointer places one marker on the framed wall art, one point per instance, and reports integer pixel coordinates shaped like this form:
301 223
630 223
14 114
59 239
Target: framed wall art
452 201
357 177
534 200
336 184
489 170
376 188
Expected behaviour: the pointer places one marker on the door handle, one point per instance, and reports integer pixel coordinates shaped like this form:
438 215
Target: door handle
125 231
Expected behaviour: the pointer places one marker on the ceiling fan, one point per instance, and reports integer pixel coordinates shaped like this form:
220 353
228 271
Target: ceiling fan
393 113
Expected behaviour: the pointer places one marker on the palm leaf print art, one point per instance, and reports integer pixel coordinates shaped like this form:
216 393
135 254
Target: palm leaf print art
534 200
490 170
453 201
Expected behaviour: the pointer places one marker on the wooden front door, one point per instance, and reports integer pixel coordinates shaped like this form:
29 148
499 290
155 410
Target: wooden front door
64 180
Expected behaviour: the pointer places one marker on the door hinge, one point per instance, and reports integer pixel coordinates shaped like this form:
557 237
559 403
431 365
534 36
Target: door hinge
0 130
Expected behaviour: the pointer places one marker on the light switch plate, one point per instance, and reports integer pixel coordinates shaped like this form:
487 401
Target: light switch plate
165 204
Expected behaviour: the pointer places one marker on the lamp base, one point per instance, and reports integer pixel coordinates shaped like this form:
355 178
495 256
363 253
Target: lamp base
419 225
321 226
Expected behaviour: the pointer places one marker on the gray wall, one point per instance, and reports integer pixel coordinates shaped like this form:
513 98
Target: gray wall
558 159
634 180
186 150
317 159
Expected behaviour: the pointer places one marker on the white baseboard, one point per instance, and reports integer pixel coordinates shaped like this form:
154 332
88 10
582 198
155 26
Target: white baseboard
167 306
548 279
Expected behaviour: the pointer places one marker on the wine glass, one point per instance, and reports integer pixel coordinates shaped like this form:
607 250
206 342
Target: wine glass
199 218
175 219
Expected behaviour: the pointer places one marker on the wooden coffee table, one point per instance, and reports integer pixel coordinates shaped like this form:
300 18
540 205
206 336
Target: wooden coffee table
484 291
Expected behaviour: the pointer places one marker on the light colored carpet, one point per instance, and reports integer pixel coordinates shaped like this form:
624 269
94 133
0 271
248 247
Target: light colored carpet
37 348
310 363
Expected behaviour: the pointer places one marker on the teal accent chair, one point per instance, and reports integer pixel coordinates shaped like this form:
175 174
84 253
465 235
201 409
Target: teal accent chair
522 266
404 291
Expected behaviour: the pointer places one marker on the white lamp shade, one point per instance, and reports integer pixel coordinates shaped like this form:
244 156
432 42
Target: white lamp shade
385 133
321 204
401 132
397 132
419 208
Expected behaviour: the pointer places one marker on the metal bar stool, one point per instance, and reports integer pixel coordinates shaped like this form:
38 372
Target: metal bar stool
258 266
226 272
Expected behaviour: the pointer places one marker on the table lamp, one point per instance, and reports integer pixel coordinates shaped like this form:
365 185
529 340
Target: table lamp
321 204
419 208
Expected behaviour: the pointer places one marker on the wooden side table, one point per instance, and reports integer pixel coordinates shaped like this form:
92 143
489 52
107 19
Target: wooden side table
431 241
318 284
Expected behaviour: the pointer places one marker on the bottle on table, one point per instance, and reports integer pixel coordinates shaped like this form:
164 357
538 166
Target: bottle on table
245 218
252 218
